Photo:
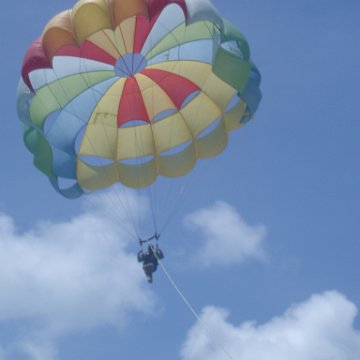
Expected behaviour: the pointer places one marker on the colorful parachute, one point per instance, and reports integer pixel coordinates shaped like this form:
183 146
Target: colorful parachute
127 90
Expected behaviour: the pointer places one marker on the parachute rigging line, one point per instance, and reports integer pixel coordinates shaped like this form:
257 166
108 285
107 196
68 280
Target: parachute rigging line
207 332
121 195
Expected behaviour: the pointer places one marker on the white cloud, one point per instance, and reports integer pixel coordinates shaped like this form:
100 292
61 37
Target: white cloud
228 239
61 278
318 329
38 349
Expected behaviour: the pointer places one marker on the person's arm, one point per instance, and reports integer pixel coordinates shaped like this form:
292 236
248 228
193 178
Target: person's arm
140 256
159 254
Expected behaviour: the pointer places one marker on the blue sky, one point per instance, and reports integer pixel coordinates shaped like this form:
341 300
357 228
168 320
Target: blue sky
265 247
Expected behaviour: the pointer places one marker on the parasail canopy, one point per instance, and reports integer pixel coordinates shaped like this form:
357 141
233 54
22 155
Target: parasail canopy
129 90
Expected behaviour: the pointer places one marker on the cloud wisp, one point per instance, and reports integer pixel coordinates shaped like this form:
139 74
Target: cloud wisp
319 329
227 238
61 278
